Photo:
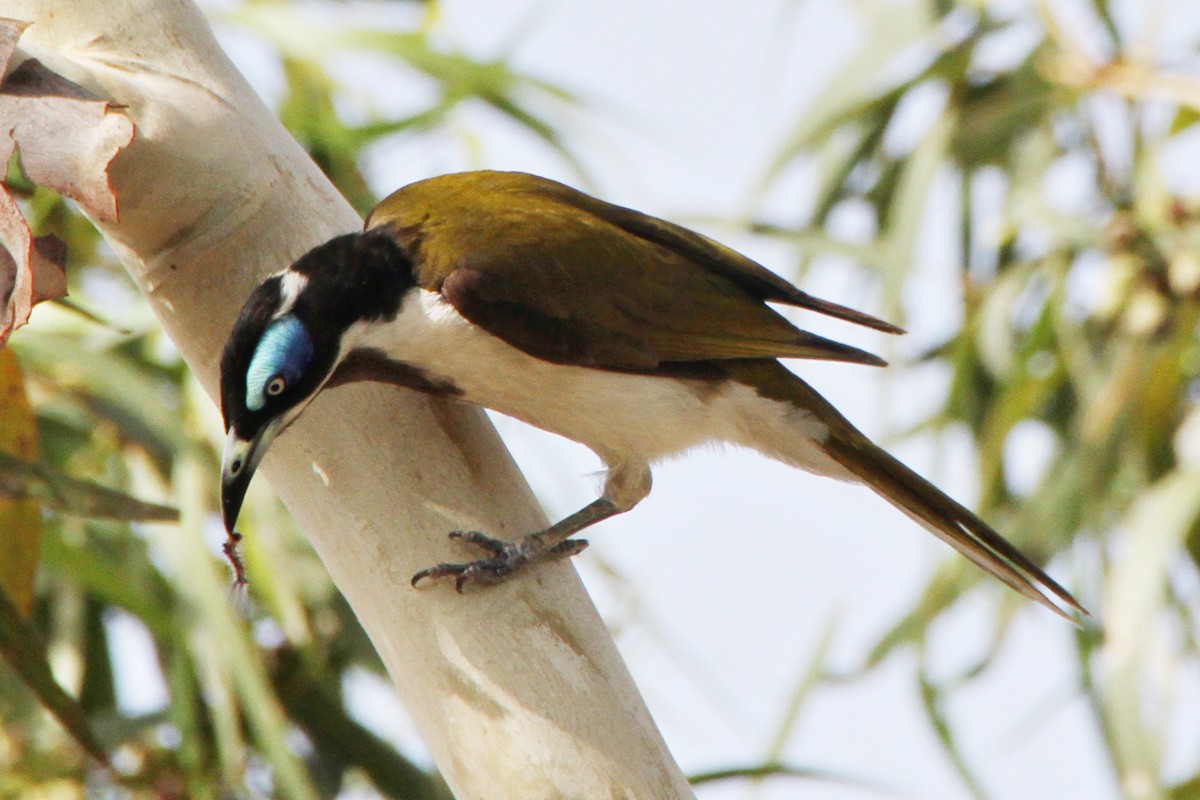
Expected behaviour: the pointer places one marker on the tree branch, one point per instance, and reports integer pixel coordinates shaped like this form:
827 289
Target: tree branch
518 690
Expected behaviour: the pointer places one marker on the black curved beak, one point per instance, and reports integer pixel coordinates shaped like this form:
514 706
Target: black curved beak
238 463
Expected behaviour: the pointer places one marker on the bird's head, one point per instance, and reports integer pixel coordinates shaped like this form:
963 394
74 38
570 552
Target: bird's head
292 333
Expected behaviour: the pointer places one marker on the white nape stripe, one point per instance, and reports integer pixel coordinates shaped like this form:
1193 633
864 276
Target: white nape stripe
439 312
292 284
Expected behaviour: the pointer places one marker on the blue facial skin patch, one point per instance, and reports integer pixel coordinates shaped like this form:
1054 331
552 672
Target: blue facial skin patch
285 349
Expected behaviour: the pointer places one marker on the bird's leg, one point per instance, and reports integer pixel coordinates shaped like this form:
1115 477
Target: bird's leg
509 557
626 485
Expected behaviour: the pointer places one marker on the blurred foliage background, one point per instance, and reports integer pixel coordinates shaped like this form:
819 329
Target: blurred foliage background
1059 135
1080 283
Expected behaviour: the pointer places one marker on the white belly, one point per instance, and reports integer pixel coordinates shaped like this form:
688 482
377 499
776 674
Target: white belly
623 417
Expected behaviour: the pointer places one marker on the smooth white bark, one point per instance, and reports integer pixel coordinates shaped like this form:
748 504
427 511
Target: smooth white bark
517 689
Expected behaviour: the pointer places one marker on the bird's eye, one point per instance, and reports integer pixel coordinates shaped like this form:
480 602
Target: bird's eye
276 385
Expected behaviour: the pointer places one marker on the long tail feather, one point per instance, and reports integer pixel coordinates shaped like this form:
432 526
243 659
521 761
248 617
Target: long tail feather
805 300
810 345
930 507
950 521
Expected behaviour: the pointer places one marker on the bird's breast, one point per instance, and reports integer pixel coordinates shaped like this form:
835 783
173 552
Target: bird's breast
620 416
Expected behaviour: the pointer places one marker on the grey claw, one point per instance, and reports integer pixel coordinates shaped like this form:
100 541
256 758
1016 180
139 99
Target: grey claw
506 559
490 543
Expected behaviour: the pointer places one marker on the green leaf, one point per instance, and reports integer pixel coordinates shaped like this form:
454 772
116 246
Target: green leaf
54 490
23 649
759 772
995 116
116 381
906 210
1101 7
1185 117
1157 526
1187 790
315 708
809 680
933 699
460 77
855 93
942 591
229 666
117 572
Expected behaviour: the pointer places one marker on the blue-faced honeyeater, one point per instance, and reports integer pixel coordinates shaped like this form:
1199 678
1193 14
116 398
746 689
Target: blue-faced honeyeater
634 336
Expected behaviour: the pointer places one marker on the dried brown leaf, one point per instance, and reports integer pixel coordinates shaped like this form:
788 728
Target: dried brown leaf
20 518
31 269
65 139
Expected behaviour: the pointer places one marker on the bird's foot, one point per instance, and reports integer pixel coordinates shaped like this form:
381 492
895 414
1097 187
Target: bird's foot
506 560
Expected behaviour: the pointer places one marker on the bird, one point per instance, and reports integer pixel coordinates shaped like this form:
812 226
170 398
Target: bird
632 335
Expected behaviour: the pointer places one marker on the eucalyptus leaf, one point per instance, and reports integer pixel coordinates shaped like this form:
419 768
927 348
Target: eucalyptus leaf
459 77
316 709
1186 790
117 381
22 647
809 680
60 492
1157 525
1185 117
760 772
117 573
890 31
934 700
940 592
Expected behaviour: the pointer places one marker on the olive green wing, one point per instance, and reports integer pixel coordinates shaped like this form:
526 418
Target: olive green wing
533 263
712 255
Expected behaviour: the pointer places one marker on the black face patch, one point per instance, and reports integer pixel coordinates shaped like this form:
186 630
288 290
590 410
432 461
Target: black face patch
358 276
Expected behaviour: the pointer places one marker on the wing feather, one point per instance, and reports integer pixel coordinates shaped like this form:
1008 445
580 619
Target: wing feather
573 280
